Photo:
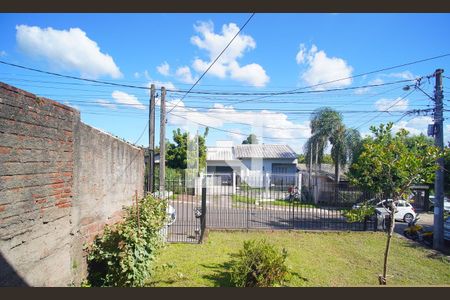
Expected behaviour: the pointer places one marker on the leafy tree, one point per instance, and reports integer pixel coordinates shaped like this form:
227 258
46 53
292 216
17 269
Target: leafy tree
327 126
251 139
327 159
177 152
387 166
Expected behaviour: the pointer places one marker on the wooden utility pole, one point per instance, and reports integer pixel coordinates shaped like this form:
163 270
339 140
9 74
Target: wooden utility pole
151 143
162 143
438 223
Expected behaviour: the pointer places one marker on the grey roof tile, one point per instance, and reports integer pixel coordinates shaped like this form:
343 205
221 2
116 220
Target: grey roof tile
264 151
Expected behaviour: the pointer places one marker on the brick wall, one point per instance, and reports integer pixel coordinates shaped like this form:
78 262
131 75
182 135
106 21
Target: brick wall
107 173
56 188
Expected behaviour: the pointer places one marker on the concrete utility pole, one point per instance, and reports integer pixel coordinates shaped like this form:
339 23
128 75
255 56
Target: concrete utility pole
151 141
162 142
438 225
310 165
316 188
197 158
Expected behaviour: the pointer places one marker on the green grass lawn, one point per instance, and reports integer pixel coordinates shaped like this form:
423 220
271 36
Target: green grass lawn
279 202
315 259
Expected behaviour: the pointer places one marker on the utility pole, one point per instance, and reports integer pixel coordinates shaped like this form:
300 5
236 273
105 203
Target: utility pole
310 165
197 158
316 188
438 224
151 143
162 143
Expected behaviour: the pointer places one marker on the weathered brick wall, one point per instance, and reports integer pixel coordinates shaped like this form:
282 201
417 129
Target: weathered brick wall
56 188
107 173
36 167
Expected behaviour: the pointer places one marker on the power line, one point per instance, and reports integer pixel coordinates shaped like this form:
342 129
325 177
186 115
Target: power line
224 130
220 54
73 77
181 91
295 92
400 99
265 93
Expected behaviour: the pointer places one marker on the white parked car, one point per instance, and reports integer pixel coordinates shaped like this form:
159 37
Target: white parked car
371 202
404 210
446 204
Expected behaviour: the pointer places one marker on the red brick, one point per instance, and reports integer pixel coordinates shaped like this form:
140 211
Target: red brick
40 201
5 150
57 185
2 207
63 205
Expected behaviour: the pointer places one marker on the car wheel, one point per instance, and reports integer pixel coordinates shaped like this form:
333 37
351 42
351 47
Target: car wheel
408 218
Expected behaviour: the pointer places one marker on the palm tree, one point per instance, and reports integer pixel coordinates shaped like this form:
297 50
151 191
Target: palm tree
327 126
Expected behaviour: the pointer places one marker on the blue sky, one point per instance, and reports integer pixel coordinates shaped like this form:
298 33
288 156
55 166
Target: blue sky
274 52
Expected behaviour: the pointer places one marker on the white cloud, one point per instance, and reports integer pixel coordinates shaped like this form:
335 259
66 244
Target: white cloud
70 50
227 65
164 69
236 136
2 53
144 74
124 98
365 90
106 103
158 84
276 125
415 126
253 74
184 75
402 75
398 104
320 68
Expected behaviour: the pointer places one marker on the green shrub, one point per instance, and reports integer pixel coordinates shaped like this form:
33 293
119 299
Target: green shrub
259 264
125 253
359 214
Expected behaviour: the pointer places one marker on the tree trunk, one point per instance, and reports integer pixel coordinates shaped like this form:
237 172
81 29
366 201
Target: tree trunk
336 179
382 278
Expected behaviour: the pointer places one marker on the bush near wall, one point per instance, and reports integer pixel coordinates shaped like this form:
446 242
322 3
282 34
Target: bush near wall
124 255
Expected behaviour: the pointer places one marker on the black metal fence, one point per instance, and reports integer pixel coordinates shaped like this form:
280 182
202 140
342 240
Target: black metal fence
259 203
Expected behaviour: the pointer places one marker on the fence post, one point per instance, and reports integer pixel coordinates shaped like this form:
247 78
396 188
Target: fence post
203 216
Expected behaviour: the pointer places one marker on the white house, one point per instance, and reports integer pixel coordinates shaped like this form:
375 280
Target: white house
257 165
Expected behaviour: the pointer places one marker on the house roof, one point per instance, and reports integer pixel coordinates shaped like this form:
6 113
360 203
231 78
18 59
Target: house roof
219 153
264 151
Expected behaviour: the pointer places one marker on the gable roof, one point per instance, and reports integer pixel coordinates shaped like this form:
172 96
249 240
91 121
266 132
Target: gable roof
219 153
264 151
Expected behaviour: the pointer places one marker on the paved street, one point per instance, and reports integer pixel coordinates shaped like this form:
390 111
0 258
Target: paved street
223 214
426 220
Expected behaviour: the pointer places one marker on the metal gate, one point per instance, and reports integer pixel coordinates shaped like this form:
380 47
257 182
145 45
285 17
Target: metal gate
278 203
258 203
185 197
